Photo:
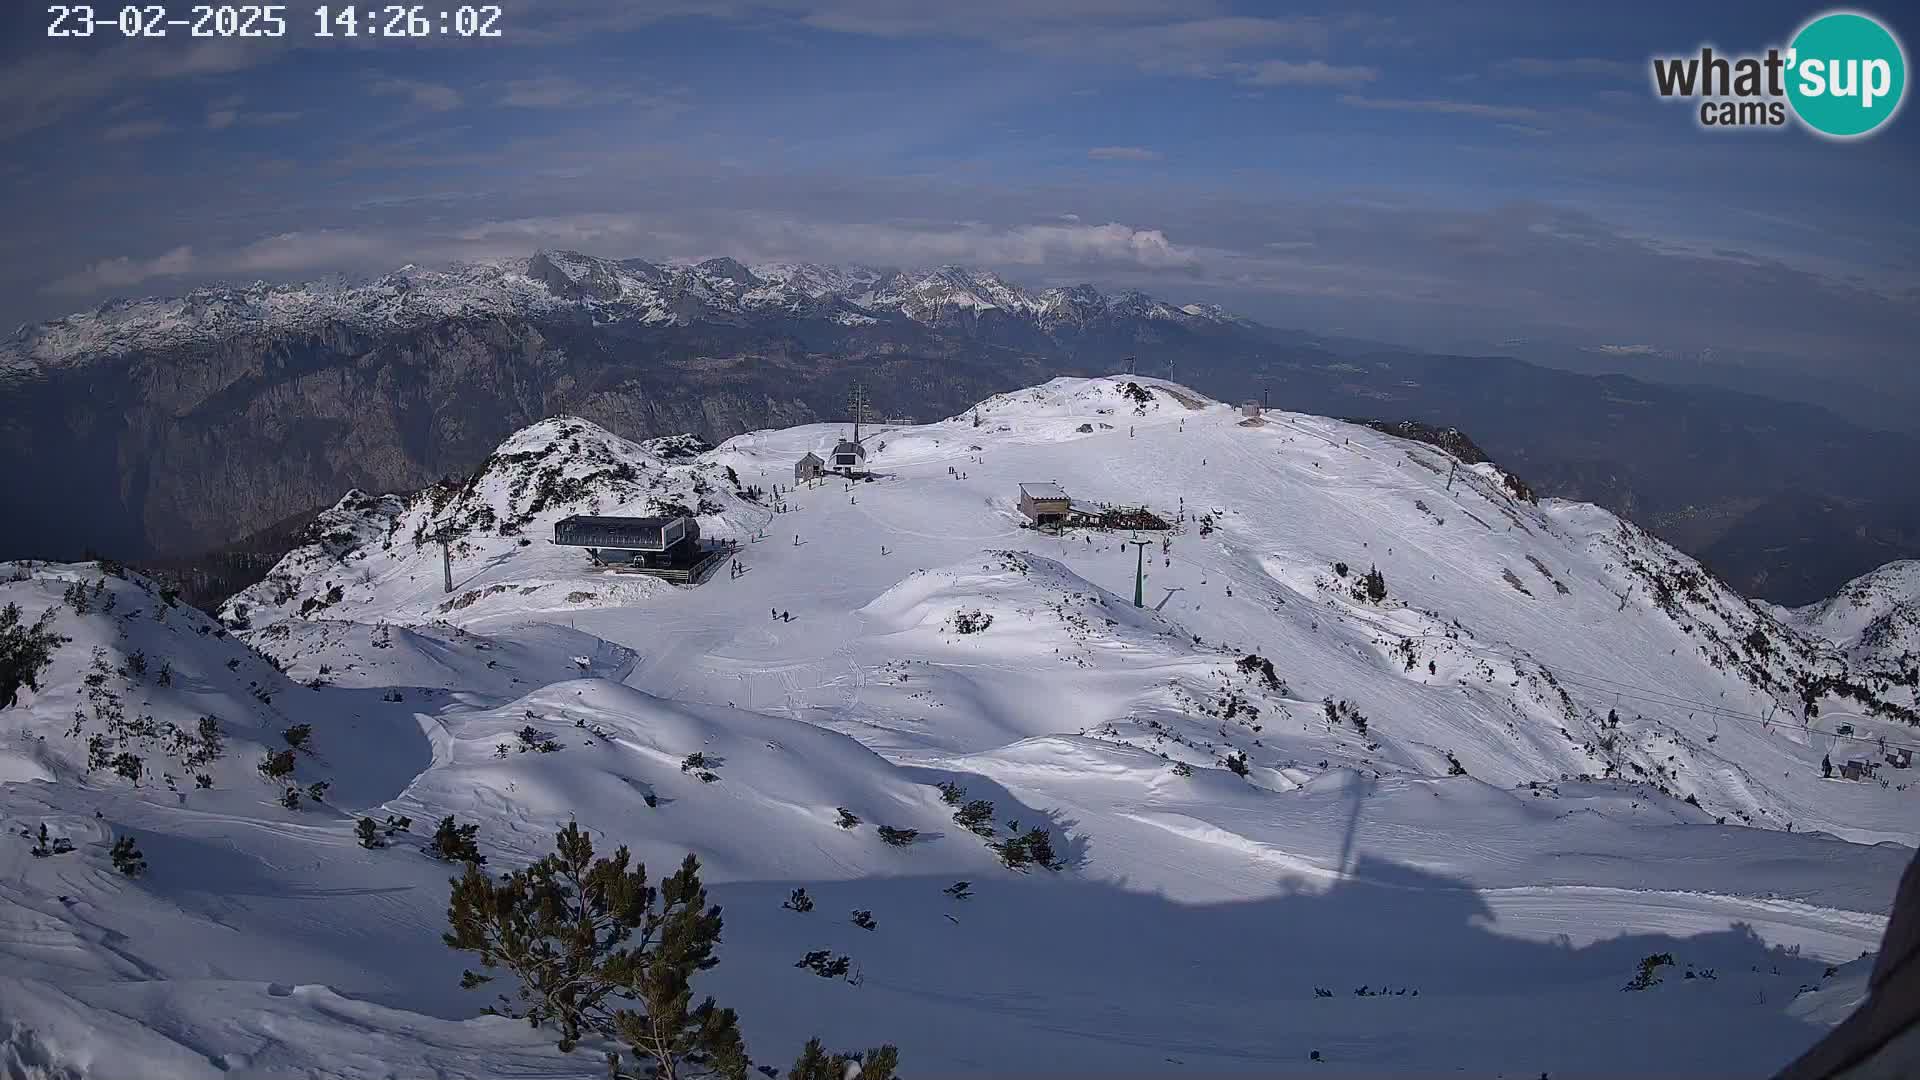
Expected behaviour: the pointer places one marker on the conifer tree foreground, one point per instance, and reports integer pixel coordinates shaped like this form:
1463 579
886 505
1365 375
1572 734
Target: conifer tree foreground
600 953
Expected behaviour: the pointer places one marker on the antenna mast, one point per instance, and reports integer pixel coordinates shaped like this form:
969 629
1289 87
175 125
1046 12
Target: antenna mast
1129 365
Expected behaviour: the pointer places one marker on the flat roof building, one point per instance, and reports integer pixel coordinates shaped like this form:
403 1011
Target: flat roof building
1045 503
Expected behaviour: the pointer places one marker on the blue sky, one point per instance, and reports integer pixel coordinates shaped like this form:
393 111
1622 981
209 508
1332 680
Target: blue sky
1445 174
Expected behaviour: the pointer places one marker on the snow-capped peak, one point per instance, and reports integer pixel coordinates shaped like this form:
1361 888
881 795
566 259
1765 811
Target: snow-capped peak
558 281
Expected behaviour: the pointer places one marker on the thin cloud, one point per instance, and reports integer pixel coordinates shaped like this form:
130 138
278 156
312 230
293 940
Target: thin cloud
1124 153
557 92
565 92
434 97
1309 73
39 89
1540 67
222 113
135 130
122 272
1443 105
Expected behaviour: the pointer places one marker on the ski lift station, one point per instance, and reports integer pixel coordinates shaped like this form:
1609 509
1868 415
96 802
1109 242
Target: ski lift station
663 547
849 457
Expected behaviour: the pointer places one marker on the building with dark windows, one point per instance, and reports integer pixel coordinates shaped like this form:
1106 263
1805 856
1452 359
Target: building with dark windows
632 541
849 457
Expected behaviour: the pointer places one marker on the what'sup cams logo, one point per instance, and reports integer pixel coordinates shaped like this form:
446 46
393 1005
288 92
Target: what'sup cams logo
1843 76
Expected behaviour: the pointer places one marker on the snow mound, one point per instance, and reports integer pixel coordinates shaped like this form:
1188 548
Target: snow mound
1878 612
1114 397
1011 601
380 558
156 700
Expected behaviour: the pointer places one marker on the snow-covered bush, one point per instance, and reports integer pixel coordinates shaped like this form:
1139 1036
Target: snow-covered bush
971 622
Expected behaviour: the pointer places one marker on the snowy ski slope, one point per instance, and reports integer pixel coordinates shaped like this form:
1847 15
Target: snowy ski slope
1469 808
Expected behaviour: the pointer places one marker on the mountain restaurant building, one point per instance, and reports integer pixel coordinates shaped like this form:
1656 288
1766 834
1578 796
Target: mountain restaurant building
661 542
1045 504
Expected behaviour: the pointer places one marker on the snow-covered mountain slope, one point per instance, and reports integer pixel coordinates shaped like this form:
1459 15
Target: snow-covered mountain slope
1875 617
558 282
1466 803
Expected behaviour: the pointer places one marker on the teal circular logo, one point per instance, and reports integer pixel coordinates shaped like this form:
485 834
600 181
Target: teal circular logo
1846 74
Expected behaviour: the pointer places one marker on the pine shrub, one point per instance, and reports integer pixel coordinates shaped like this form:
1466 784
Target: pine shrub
25 652
46 847
976 817
799 901
127 858
848 819
453 842
823 963
277 766
898 837
864 919
368 831
597 951
1648 974
1031 848
533 739
814 1063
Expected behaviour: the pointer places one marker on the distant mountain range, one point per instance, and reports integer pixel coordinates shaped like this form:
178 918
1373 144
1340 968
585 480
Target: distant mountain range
163 427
